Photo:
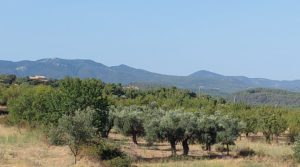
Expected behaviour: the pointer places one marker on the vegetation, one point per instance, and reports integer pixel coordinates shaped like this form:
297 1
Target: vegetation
76 130
130 122
263 96
297 150
212 83
81 113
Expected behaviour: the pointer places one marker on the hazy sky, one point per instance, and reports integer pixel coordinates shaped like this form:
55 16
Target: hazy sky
257 38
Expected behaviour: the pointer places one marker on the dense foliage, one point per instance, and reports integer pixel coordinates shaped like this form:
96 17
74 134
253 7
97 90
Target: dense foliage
263 96
80 112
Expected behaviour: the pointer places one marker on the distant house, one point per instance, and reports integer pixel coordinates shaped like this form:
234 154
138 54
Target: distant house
38 78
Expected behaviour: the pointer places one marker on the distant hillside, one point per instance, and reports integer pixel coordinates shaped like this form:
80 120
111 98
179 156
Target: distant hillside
262 96
203 81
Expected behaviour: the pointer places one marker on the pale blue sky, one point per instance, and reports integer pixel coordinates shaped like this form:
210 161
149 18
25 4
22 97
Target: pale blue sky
257 38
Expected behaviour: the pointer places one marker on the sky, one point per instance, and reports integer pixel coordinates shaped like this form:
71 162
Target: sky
257 38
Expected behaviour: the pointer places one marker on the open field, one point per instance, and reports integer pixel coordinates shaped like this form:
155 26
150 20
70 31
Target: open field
23 148
277 155
29 149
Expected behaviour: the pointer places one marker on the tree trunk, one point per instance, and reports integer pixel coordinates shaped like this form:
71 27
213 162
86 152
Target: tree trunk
75 159
227 148
185 146
105 134
268 139
173 147
208 148
134 137
277 139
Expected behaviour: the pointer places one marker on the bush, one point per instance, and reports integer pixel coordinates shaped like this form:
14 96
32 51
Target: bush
55 137
119 162
292 136
296 149
107 151
245 152
112 153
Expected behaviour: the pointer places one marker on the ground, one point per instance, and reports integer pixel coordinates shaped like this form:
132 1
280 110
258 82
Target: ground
24 148
267 155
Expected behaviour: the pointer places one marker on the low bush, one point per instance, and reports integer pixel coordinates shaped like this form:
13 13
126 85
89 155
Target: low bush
245 152
107 151
296 149
123 161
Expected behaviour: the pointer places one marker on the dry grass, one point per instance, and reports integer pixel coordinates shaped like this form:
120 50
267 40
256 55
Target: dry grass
276 155
28 150
275 151
217 163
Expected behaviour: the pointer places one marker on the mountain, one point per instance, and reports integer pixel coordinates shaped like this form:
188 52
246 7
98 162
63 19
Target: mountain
205 74
263 96
203 81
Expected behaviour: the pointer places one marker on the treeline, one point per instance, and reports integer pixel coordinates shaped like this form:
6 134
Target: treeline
263 96
80 112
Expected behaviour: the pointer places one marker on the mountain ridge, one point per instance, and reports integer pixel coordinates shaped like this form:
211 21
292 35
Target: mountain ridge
84 68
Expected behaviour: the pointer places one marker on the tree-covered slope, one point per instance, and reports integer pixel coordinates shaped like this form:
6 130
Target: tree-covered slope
201 81
262 96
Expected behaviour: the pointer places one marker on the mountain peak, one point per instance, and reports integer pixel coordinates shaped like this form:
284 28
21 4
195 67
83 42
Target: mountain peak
48 60
205 74
124 66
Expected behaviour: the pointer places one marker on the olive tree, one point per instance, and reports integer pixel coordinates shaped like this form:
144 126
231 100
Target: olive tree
76 130
112 115
208 126
129 121
189 123
229 130
169 128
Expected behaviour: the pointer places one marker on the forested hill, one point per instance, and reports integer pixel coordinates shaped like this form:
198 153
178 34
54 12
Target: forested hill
262 96
203 81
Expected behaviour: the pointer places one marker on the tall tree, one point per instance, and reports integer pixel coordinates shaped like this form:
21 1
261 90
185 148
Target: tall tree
79 94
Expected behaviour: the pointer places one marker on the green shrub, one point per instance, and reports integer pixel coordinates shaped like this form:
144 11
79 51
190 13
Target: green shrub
245 152
55 137
119 162
107 151
296 149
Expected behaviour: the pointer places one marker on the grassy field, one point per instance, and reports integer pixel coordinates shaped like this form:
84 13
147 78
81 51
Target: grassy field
29 149
23 148
267 155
